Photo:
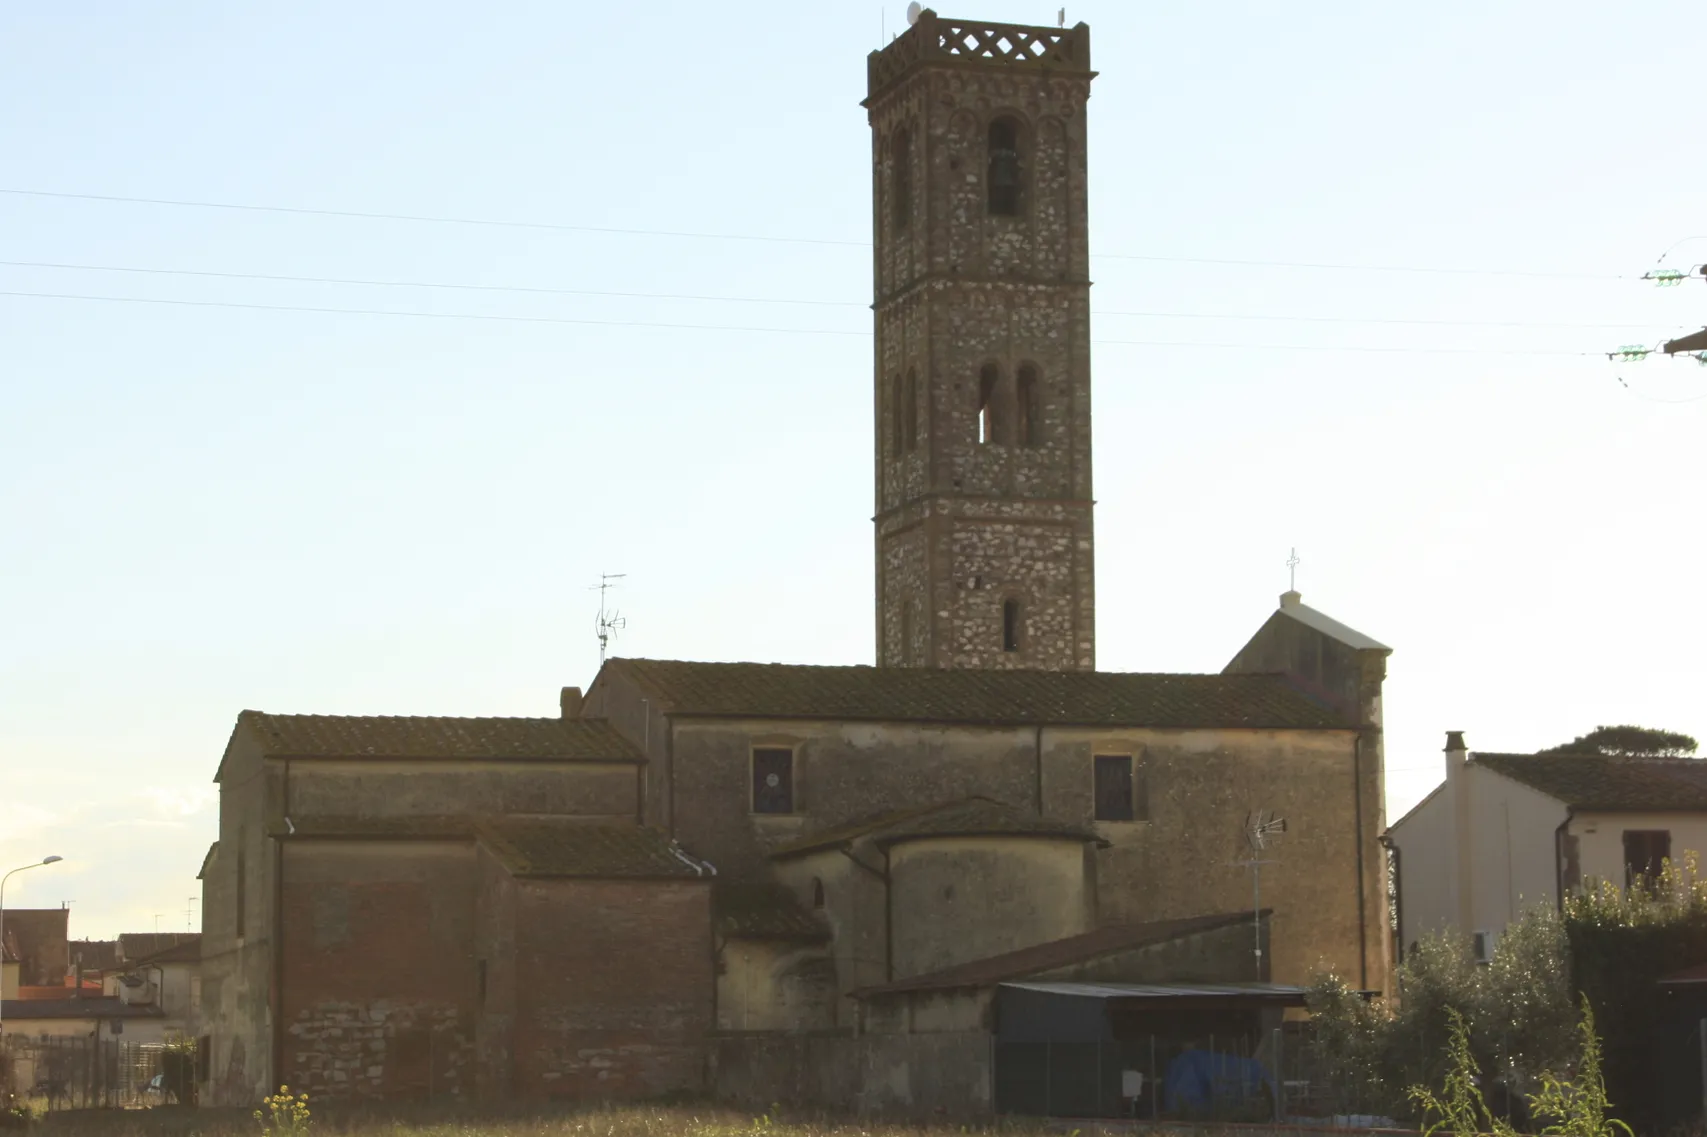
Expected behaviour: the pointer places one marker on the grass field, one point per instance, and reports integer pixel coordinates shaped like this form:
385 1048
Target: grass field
440 1121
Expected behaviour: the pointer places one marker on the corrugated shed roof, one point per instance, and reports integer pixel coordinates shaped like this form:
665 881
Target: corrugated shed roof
894 694
468 739
764 912
1162 992
1593 781
1056 954
966 817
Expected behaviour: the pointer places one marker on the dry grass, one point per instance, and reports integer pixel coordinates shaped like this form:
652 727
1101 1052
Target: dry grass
443 1121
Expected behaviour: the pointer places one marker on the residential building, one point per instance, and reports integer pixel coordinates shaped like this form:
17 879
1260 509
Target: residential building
1503 832
169 979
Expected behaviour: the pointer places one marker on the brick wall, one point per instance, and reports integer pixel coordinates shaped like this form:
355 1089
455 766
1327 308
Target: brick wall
615 987
378 991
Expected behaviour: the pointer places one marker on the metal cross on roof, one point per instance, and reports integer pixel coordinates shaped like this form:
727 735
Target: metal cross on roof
1292 571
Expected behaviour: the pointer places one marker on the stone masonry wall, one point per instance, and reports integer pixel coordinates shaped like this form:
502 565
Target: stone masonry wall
958 290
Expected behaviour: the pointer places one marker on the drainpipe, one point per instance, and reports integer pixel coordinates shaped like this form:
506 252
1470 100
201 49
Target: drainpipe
1560 836
1038 749
1362 900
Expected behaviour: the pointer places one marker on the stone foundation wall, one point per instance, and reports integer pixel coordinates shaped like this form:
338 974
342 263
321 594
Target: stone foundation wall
380 1049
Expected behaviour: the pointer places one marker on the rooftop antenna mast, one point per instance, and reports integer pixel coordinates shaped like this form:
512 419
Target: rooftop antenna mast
609 621
1263 831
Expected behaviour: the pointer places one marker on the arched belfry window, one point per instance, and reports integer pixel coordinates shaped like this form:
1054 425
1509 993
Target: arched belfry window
989 422
901 179
1003 180
1028 406
910 409
1013 629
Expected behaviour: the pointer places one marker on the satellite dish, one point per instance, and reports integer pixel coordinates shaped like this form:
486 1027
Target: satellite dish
913 11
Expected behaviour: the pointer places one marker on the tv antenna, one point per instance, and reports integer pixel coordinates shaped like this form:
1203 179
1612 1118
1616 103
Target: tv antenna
609 621
1263 831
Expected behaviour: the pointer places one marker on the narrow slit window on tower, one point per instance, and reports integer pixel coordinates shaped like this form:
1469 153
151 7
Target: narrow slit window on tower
906 633
1011 625
817 893
1029 405
901 179
1003 177
988 380
910 408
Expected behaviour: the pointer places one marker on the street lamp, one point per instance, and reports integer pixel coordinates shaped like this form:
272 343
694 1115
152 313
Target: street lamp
3 880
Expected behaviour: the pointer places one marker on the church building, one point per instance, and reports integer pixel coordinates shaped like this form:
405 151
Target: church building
694 875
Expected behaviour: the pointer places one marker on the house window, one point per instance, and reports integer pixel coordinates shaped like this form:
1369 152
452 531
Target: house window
988 380
242 881
901 179
773 781
1003 180
1114 797
1645 853
1012 625
910 409
1029 427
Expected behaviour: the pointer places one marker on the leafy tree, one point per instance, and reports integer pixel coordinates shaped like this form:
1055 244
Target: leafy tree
1629 742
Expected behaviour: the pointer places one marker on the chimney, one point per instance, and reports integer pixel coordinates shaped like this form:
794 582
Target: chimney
570 702
1456 753
1291 599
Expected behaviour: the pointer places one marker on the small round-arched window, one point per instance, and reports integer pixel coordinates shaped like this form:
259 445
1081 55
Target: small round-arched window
817 893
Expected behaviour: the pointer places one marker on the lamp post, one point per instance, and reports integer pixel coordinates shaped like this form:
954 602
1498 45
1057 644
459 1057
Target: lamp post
3 880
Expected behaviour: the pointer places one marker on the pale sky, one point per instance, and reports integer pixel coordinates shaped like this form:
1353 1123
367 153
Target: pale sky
209 508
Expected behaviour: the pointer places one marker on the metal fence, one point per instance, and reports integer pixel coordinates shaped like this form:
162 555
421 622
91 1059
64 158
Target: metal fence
81 1072
1156 1077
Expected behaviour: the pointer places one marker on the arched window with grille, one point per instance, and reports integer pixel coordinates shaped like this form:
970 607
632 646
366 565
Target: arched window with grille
1002 181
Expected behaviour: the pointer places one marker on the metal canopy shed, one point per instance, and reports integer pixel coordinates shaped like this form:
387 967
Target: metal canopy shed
1138 1049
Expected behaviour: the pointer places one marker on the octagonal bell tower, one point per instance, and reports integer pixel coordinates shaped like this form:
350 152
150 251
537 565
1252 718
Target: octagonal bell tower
983 383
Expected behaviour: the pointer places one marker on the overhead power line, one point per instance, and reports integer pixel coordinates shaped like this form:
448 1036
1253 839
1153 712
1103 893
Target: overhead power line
702 297
376 215
476 316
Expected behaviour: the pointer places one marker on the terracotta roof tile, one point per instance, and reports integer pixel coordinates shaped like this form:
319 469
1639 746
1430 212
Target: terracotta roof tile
966 817
381 736
530 846
892 694
1056 954
764 912
1592 781
186 950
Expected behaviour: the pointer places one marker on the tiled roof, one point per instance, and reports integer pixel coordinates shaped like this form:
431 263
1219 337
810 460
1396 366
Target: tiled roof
589 849
967 817
88 1007
187 950
531 846
95 955
1056 954
894 694
380 736
764 912
1592 781
140 945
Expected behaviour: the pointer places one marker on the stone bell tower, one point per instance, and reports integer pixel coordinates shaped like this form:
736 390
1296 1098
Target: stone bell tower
983 371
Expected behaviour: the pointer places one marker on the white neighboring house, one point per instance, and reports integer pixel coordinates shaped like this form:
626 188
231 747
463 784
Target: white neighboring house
1505 832
170 980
